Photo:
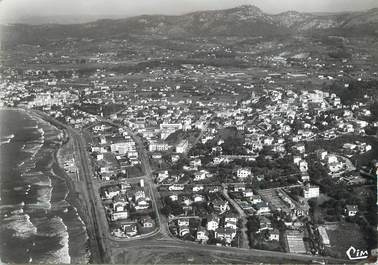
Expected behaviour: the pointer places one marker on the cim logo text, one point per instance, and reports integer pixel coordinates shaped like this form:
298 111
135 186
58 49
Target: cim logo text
354 253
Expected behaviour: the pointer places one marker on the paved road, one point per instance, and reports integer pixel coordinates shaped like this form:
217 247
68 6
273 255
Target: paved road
243 216
248 255
155 195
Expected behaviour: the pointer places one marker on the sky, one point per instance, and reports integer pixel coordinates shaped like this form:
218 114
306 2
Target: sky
14 10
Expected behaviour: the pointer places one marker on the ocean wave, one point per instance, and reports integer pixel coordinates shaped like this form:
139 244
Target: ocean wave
43 197
20 224
32 148
36 179
55 227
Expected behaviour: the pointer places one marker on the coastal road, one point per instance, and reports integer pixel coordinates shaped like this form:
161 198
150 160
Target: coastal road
172 248
93 215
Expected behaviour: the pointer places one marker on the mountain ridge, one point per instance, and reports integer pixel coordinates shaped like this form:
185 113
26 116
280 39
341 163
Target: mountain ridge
245 21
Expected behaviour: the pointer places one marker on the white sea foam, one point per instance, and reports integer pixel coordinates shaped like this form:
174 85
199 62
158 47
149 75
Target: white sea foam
20 224
55 227
36 178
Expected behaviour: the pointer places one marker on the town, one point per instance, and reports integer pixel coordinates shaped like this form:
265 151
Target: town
273 150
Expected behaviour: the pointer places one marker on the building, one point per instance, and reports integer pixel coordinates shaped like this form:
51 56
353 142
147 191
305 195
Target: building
303 166
351 210
202 234
122 147
243 173
157 146
183 230
226 234
324 236
212 222
130 229
148 222
182 147
119 215
274 235
311 191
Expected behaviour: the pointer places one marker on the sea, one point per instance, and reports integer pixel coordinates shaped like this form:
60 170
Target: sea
37 223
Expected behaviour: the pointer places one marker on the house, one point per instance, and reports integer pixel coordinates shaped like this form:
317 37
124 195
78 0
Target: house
111 192
213 189
186 200
175 158
239 187
197 188
183 230
262 208
130 229
173 197
296 160
142 204
202 234
303 166
248 193
147 222
220 205
182 147
321 154
243 173
351 210
300 148
201 175
161 176
198 198
140 199
331 159
212 222
176 187
255 199
335 166
324 236
195 162
311 191
119 215
226 234
157 146
119 204
274 235
305 177
231 217
183 222
265 224
231 224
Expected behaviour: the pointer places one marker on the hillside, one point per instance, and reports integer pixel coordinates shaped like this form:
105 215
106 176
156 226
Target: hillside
243 21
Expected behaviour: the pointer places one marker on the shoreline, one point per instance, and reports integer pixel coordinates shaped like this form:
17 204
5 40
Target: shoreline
74 195
73 189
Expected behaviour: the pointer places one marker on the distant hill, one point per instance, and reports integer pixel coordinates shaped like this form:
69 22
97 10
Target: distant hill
245 21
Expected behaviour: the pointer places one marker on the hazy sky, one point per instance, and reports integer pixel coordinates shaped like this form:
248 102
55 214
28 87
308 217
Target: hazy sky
12 10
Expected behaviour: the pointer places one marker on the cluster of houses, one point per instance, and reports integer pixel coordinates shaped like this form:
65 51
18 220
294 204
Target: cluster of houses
121 201
219 223
114 152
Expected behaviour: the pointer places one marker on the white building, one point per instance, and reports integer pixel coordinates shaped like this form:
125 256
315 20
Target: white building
182 147
311 191
243 173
